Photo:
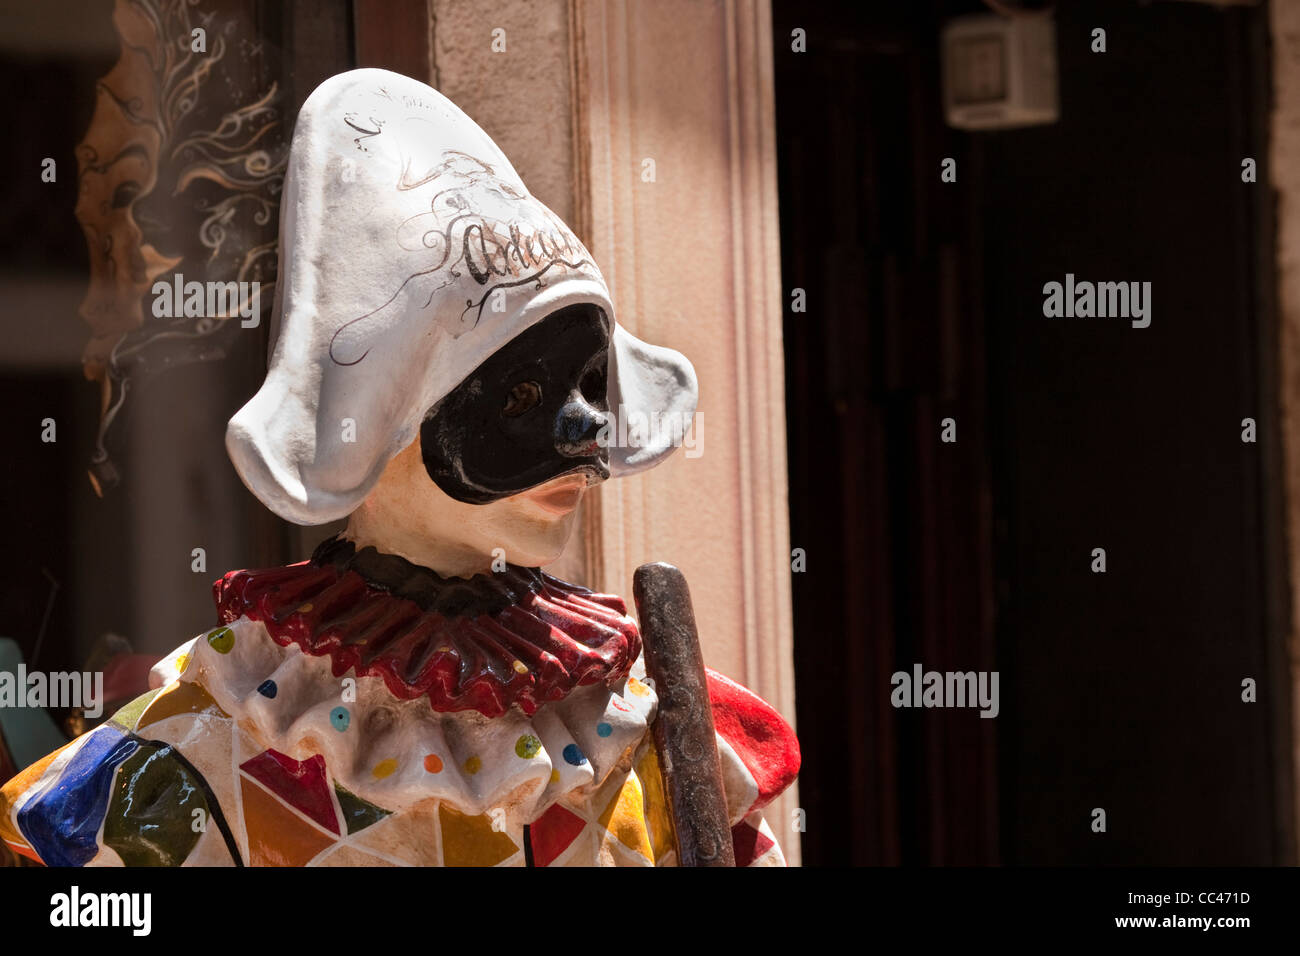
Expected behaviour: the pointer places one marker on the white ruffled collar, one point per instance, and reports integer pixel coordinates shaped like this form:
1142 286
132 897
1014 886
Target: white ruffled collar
398 753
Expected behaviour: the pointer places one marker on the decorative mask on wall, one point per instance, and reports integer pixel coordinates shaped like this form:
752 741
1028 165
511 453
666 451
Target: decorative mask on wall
179 172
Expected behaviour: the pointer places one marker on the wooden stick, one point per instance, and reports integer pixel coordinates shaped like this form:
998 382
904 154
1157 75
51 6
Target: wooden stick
683 730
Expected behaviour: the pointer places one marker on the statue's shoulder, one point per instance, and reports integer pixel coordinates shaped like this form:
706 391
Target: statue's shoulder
760 737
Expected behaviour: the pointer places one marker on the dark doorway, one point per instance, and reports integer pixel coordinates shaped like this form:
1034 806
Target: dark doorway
1119 690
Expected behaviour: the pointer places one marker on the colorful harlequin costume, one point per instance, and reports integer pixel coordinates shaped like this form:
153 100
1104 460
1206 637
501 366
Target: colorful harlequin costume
254 733
359 708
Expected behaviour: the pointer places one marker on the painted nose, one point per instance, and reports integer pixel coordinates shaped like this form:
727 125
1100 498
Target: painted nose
577 427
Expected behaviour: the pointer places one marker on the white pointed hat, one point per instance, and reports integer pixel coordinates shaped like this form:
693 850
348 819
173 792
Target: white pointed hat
410 251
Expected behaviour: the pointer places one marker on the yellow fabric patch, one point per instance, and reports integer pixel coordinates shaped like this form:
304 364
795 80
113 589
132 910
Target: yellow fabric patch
658 819
127 716
625 818
471 841
179 697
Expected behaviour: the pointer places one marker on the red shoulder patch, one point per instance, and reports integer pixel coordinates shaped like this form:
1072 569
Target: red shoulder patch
762 739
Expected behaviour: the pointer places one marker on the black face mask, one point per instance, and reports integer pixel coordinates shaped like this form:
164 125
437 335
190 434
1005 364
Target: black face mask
530 413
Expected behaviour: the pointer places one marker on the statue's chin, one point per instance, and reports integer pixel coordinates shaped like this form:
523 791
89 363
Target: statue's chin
526 531
408 514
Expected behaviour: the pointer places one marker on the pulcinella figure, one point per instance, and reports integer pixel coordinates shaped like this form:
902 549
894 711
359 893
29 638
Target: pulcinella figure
446 371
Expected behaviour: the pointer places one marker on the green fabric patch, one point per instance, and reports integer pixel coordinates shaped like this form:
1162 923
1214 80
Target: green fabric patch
358 813
151 817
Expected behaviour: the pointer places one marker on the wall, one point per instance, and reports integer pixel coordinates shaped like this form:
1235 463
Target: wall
582 95
1283 173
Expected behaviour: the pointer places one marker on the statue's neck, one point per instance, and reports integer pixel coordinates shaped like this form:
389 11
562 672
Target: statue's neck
448 558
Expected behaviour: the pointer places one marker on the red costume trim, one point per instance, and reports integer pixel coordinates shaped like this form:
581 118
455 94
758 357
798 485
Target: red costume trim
550 638
763 741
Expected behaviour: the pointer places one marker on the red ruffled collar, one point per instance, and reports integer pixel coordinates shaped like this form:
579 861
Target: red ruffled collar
515 637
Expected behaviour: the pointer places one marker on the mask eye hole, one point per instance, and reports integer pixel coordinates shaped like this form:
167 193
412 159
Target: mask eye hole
522 398
593 383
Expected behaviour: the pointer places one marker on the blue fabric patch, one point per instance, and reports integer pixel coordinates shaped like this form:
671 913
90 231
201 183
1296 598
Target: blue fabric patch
62 823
